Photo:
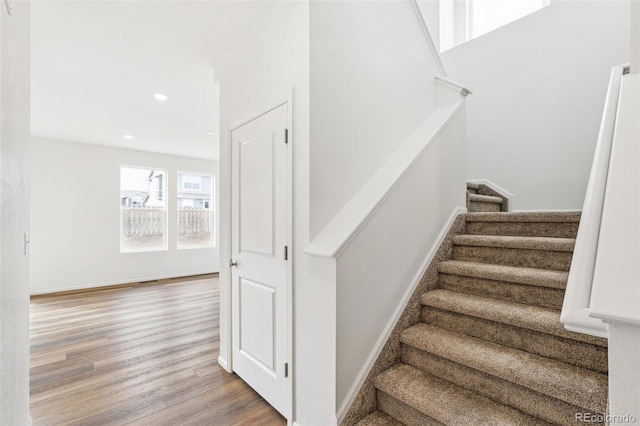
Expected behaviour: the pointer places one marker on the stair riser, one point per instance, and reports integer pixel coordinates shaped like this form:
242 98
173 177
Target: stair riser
519 293
403 413
524 229
475 207
533 403
558 260
554 347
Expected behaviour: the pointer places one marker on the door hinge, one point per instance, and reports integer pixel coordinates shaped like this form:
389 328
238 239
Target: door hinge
286 369
26 242
286 135
286 253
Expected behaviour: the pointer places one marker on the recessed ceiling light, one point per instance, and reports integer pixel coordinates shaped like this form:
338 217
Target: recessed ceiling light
160 96
128 137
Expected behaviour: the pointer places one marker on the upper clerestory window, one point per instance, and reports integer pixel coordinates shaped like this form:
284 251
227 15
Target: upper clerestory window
464 20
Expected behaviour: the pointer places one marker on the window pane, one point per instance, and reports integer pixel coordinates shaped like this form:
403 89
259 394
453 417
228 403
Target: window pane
463 20
143 213
491 14
195 213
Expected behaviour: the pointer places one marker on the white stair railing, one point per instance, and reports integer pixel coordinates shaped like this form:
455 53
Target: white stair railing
576 307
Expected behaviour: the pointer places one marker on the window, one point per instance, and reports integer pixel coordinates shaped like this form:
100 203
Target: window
464 20
143 209
196 227
190 182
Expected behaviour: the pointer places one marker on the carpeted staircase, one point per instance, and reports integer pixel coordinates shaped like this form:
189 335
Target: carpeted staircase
482 198
490 349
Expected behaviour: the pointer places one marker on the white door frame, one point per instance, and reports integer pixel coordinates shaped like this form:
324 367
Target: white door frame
226 358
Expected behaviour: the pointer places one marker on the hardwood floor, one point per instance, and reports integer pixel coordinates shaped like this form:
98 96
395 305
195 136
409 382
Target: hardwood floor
136 355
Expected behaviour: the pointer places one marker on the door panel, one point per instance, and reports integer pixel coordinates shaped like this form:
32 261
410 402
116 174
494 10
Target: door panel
256 195
259 234
257 311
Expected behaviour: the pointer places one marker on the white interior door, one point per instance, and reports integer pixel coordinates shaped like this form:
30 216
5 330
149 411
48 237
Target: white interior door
259 240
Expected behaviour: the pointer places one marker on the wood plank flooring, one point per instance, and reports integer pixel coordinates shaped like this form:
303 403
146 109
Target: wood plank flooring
136 355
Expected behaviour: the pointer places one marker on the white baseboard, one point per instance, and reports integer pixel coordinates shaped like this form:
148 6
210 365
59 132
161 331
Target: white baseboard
548 211
301 424
223 363
386 332
119 282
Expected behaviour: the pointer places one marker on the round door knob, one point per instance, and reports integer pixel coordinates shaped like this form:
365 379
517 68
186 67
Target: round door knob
233 263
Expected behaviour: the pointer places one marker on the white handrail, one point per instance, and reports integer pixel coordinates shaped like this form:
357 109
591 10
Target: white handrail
576 306
337 234
459 87
427 35
615 297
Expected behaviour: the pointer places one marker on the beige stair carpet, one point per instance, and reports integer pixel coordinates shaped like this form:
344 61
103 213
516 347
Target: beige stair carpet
489 348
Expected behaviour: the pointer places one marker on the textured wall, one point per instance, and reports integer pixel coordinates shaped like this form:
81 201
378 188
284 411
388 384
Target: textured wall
372 85
271 61
380 263
75 188
539 86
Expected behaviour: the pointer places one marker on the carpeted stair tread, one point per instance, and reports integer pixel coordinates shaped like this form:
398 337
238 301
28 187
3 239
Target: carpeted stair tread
524 217
471 185
535 318
446 402
479 198
532 224
570 351
528 243
510 394
378 418
546 297
513 274
574 385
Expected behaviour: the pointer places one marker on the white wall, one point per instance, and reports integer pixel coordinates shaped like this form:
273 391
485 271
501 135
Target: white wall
371 85
14 213
368 71
75 221
383 261
635 36
272 60
538 87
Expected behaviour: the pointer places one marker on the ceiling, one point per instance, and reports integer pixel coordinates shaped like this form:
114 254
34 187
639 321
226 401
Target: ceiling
96 66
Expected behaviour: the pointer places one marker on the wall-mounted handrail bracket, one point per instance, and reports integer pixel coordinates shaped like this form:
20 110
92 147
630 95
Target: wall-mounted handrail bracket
459 87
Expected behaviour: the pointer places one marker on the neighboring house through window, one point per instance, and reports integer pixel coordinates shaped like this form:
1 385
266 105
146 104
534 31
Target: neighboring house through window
143 209
195 210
